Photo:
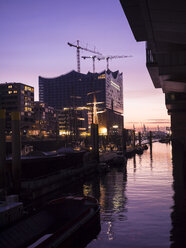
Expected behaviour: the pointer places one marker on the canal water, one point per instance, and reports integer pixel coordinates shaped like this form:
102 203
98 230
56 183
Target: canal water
136 203
143 205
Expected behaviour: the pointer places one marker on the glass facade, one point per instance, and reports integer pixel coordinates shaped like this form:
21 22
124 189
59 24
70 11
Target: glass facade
77 89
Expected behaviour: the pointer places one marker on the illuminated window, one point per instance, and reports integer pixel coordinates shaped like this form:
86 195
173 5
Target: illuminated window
9 86
103 131
9 92
26 109
101 76
15 91
81 119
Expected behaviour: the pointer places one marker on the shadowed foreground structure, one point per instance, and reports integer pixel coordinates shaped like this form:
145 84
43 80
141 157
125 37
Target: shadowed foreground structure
162 24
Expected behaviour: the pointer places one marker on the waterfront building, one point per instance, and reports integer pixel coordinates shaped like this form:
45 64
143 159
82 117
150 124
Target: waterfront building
75 89
45 120
73 121
17 97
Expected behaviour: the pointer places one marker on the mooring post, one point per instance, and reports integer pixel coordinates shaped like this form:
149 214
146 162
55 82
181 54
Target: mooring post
150 137
2 153
95 140
16 151
150 141
134 139
124 140
139 138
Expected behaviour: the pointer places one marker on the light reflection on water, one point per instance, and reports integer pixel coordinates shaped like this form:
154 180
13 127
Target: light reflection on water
136 205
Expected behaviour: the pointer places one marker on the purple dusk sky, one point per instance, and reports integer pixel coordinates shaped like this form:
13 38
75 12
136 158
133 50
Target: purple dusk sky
34 36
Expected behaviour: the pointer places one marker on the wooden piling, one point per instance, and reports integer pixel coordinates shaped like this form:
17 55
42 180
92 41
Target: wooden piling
124 140
95 140
139 138
16 151
150 137
133 139
2 153
150 141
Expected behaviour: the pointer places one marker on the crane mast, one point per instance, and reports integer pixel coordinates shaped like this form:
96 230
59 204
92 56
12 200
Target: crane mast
78 52
93 60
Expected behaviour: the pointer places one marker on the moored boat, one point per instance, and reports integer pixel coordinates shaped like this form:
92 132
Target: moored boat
39 163
65 222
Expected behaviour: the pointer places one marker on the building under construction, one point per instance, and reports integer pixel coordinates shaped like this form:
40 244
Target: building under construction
76 90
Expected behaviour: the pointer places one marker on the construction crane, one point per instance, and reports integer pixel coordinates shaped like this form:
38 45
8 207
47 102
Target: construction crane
102 58
112 57
93 59
78 52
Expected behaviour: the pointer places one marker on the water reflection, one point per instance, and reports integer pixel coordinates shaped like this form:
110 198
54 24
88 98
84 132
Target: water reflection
143 206
136 206
151 158
134 161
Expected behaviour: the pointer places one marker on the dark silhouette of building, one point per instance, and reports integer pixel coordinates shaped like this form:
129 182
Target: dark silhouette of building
17 97
75 89
45 120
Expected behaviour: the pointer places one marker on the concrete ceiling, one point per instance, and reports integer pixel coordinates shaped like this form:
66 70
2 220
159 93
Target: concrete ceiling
162 23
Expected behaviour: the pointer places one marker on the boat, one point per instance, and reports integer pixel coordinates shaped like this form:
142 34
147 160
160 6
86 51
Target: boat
130 151
139 150
113 158
64 222
39 163
145 147
164 140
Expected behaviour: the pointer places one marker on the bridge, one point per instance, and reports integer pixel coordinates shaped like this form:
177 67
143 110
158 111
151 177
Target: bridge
162 24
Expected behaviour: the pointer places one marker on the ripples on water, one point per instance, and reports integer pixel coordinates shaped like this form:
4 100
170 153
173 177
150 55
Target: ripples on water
136 205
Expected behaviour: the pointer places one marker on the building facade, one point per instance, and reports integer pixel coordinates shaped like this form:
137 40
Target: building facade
73 121
75 89
45 120
17 97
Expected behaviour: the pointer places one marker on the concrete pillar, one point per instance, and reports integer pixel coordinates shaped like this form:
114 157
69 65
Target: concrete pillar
139 138
2 153
178 215
95 140
178 128
16 151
